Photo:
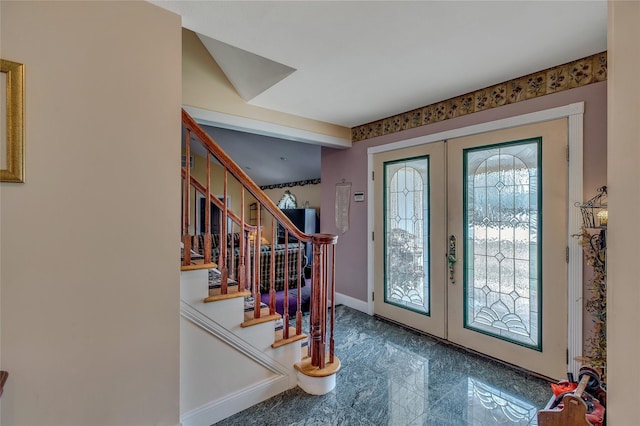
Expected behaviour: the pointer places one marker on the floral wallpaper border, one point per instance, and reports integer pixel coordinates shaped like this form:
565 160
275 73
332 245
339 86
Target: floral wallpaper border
292 184
582 72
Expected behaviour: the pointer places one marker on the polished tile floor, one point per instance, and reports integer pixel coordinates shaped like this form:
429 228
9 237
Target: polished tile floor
393 376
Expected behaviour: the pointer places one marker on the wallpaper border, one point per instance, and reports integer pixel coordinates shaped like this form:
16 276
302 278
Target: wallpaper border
588 70
292 184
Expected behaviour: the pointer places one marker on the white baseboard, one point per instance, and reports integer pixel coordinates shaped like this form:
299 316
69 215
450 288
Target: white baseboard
229 405
352 302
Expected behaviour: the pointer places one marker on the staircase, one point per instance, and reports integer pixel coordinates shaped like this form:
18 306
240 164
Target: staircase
237 348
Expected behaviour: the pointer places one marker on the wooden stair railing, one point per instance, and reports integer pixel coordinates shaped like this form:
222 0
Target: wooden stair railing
240 262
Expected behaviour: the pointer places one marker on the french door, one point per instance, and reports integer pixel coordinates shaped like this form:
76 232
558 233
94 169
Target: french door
470 239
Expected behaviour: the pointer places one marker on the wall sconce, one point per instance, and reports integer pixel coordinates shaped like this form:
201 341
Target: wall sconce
603 216
594 212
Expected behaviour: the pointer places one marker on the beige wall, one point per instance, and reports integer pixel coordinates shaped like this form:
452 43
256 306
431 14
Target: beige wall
89 266
234 188
205 86
623 293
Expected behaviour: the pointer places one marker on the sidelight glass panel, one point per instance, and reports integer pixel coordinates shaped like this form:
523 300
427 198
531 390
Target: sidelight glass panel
406 234
502 234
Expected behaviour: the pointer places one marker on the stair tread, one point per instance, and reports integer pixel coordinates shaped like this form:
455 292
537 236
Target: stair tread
262 319
198 264
307 369
214 294
280 341
265 316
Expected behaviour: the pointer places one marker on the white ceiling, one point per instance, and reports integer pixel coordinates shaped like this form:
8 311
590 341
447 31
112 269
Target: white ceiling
360 61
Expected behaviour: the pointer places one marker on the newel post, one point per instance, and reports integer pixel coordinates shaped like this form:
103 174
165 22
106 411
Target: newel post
323 293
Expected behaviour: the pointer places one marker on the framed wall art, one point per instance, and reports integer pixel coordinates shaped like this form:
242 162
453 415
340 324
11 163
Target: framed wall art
11 121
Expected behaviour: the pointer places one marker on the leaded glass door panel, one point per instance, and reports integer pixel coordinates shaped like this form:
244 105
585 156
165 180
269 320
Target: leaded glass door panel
507 193
409 288
503 197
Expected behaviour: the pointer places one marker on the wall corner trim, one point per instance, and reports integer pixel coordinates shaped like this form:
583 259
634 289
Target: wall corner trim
250 125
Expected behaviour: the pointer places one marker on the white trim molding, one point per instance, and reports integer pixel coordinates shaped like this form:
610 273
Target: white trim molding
352 302
575 115
220 409
574 292
212 327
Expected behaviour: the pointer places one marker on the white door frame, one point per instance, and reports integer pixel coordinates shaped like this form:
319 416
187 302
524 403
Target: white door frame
575 115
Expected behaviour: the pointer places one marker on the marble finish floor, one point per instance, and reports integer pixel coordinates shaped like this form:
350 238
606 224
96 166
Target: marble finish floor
394 376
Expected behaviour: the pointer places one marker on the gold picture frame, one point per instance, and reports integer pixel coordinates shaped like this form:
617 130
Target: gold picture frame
12 134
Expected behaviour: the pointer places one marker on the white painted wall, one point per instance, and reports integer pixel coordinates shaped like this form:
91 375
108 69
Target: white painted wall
89 270
623 238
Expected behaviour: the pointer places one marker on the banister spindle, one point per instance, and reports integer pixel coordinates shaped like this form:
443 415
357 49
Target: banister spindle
272 270
333 303
323 271
299 291
256 265
241 272
285 302
207 214
315 341
186 241
224 268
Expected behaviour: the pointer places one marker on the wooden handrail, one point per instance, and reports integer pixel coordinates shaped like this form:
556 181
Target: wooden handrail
241 176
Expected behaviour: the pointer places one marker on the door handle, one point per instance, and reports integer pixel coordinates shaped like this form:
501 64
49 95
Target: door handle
452 257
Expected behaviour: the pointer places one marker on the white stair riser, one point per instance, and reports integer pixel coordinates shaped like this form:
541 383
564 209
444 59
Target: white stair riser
316 385
261 336
288 355
228 313
194 285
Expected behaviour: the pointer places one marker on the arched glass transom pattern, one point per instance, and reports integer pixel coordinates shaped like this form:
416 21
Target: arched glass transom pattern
502 235
491 406
406 243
